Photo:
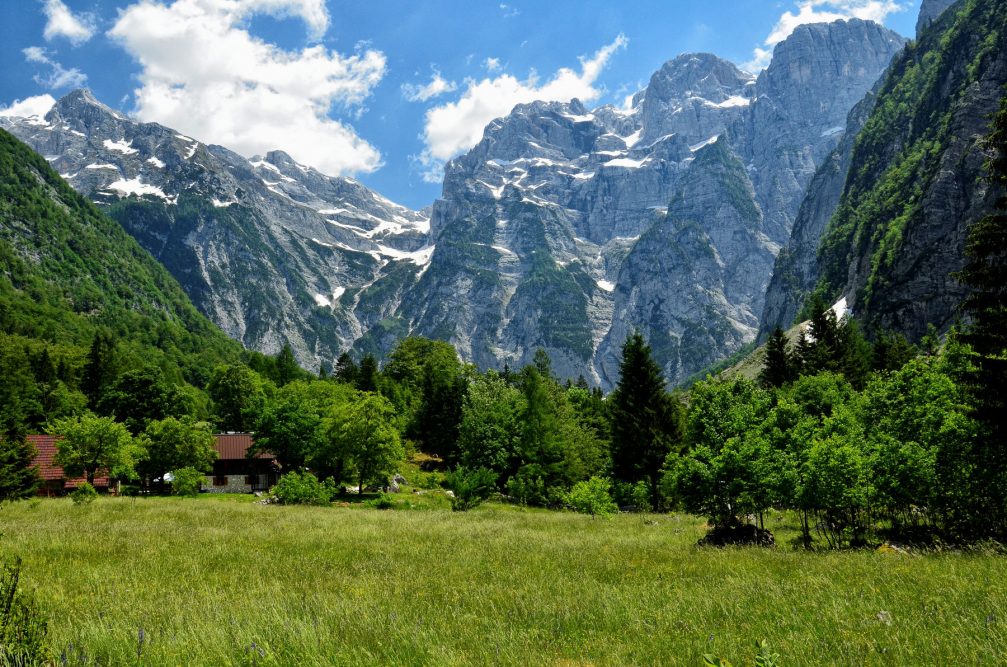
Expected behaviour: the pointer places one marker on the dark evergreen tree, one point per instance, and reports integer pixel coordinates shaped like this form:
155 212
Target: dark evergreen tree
137 397
287 369
856 354
443 390
346 369
646 421
820 348
891 352
101 367
779 367
18 391
985 274
542 363
367 375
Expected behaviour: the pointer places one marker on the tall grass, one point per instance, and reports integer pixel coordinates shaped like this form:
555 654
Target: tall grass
172 581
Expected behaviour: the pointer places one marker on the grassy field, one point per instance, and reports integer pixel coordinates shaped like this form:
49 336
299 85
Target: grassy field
225 582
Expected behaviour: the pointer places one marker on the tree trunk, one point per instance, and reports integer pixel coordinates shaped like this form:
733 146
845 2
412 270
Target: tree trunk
90 476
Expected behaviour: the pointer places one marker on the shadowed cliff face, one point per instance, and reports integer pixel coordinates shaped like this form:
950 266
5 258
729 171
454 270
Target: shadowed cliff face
921 137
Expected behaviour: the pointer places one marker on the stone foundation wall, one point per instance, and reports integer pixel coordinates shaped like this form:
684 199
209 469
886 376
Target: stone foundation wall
235 484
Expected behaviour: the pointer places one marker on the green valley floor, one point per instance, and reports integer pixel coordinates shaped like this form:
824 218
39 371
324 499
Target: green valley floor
225 581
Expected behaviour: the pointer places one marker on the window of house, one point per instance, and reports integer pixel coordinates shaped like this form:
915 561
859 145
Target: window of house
220 480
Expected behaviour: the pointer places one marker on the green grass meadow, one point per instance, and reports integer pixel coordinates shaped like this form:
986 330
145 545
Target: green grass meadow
215 581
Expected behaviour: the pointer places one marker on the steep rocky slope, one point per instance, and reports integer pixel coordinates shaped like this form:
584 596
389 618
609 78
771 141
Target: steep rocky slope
916 179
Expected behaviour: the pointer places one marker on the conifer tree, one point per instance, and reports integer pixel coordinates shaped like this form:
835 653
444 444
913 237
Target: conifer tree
779 366
985 274
346 369
646 421
367 374
287 369
819 349
100 367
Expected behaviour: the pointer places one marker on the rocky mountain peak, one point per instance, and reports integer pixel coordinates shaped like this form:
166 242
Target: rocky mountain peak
81 110
930 11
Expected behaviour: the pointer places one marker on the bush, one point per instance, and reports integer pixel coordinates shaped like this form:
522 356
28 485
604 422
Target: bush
84 494
471 487
23 628
186 482
591 497
382 502
296 488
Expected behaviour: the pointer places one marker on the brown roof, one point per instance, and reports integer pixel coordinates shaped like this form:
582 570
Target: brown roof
45 447
234 446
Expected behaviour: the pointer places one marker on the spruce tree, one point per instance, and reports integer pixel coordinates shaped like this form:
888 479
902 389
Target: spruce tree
820 350
367 375
287 369
779 367
346 369
646 421
985 274
100 369
18 477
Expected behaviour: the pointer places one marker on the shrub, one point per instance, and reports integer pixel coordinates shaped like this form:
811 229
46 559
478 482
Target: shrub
591 497
382 502
23 628
471 487
84 494
186 482
296 488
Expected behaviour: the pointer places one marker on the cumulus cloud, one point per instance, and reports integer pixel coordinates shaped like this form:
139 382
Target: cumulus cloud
29 106
204 74
58 76
437 86
819 11
454 127
61 22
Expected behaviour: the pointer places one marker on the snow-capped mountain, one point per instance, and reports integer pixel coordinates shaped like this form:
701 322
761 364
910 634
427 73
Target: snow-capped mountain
269 249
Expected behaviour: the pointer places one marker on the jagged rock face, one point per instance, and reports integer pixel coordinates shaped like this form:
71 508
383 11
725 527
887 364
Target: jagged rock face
696 277
816 76
795 272
894 258
270 250
555 231
930 11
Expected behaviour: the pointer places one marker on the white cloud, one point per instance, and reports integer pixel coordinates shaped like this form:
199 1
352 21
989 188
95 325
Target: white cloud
819 11
454 127
437 86
491 64
59 76
61 22
508 10
204 74
29 106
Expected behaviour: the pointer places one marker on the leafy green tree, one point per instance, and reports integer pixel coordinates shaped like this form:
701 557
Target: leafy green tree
90 443
646 421
137 397
303 488
779 367
172 444
238 394
489 435
290 422
361 439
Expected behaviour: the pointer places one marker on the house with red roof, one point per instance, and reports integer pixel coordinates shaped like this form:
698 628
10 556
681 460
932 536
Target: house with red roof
54 480
233 471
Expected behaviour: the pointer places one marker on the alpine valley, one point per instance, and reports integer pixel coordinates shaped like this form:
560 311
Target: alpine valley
565 228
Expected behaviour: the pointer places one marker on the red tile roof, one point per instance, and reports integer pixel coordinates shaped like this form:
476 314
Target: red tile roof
45 446
234 446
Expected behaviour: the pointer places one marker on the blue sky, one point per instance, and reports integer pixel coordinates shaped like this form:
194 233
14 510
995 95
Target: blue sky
383 90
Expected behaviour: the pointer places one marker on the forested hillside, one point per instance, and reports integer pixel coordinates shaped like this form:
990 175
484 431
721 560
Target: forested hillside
71 280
